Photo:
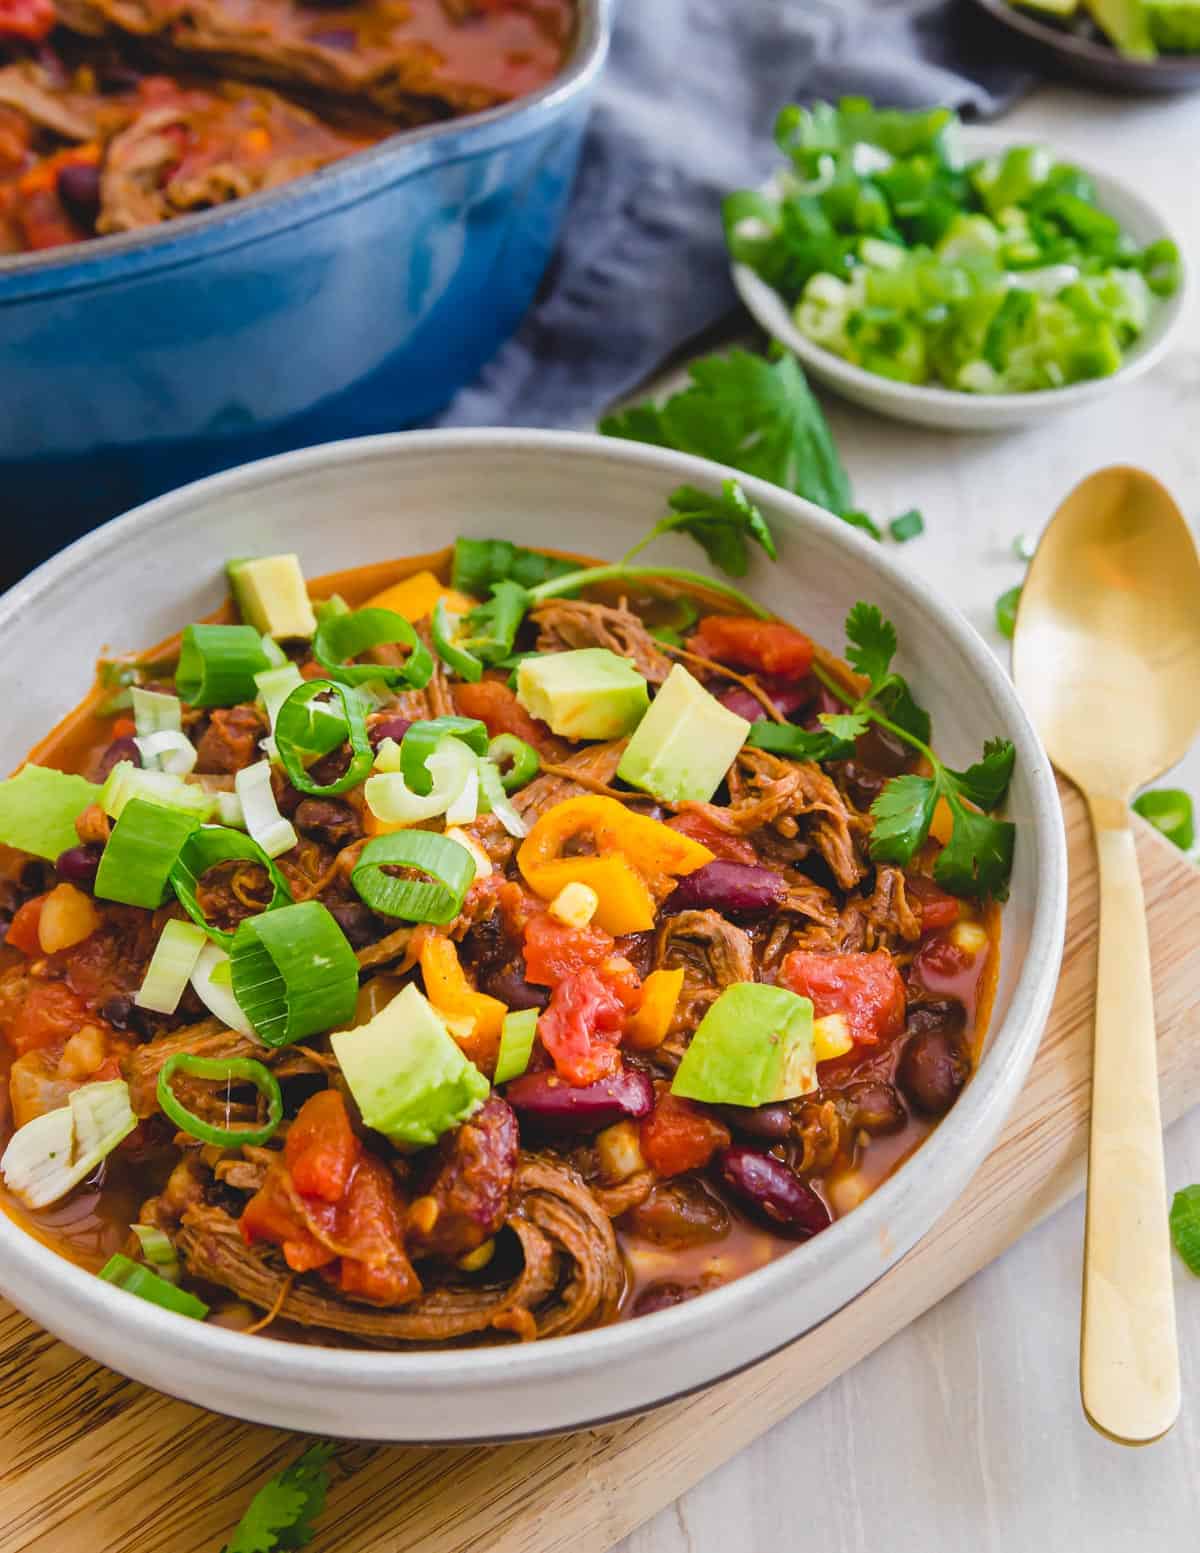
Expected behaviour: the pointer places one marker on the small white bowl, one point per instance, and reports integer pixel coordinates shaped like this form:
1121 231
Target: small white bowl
952 409
139 578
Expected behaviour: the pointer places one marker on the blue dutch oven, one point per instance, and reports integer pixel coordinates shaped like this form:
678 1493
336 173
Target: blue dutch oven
357 299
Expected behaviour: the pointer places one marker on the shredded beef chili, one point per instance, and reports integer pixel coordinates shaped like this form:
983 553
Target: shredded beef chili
582 1189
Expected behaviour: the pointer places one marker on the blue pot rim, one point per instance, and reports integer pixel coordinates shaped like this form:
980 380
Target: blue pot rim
107 260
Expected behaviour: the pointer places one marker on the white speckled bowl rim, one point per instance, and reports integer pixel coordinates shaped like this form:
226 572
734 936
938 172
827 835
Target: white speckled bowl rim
511 1392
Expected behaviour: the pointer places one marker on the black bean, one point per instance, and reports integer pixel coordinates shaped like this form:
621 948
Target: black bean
771 1123
78 865
932 1070
117 751
79 189
357 922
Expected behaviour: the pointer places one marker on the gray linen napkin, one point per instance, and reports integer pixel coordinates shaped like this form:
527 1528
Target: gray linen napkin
684 114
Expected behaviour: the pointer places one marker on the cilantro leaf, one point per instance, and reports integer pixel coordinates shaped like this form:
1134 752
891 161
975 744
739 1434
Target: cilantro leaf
845 725
897 703
799 743
281 1514
755 415
870 642
1185 1226
721 525
977 859
986 782
902 814
490 629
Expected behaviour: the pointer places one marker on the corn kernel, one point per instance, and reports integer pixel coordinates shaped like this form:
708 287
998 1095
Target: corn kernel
847 1191
575 904
619 1151
831 1037
970 937
480 1257
68 917
483 863
424 1214
83 1054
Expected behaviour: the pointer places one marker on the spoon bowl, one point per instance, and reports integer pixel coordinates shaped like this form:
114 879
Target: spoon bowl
1106 656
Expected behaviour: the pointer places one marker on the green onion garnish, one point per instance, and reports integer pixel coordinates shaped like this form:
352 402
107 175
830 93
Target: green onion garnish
158 1251
136 1279
454 792
296 735
126 781
171 966
155 713
516 1044
450 867
204 849
38 808
294 974
466 665
522 759
1169 810
213 985
217 665
274 834
907 526
1006 611
137 860
225 1070
494 800
341 637
420 741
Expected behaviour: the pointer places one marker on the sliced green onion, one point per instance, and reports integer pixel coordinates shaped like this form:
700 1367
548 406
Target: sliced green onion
450 867
294 974
341 637
1169 810
443 627
204 849
158 1251
229 810
126 781
266 825
275 685
171 966
1024 546
38 809
137 860
153 713
168 750
516 1044
454 770
294 732
213 985
217 665
907 526
494 800
525 762
55 1151
224 1070
423 737
273 652
1006 611
136 1279
490 629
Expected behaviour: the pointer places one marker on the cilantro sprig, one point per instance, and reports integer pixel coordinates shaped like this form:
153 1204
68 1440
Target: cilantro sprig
1185 1225
977 858
281 1515
720 525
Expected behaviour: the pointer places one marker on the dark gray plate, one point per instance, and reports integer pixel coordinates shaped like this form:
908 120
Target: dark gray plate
1093 59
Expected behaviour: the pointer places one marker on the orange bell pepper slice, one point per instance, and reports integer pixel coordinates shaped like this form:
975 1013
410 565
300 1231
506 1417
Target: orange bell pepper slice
630 850
472 1018
648 1026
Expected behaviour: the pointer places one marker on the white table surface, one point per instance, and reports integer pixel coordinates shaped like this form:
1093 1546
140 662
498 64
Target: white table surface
964 1433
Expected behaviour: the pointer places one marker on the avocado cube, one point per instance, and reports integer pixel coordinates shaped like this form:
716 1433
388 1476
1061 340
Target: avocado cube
685 744
1174 25
586 694
272 596
754 1046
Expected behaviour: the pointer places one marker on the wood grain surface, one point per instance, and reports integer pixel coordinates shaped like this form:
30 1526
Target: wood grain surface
93 1463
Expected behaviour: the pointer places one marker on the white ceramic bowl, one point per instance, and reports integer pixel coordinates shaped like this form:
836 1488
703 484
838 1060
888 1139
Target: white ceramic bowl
950 409
140 577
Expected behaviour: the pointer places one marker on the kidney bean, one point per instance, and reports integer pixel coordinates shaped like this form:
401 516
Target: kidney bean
727 887
388 728
771 1123
662 1295
772 1193
544 1100
357 922
789 696
678 1214
117 751
78 865
79 189
878 1109
883 751
508 984
932 1070
344 38
327 819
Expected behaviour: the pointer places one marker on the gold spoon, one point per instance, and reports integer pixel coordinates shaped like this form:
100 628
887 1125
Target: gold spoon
1106 657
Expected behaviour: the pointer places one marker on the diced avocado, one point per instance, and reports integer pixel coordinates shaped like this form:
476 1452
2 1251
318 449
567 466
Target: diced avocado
410 1080
271 593
1174 25
516 1044
1049 7
685 743
753 1047
1125 25
587 694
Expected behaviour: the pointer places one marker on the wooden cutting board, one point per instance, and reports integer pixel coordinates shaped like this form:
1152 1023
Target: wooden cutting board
92 1462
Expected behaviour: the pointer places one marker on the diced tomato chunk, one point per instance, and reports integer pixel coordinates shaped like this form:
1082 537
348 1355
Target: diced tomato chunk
554 951
866 988
698 827
23 929
679 1136
28 19
581 1028
939 959
321 1149
497 707
938 909
49 1013
769 646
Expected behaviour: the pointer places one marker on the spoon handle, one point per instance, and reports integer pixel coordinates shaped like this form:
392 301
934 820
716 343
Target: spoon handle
1129 1361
